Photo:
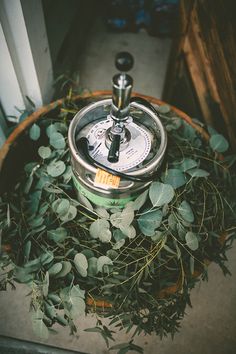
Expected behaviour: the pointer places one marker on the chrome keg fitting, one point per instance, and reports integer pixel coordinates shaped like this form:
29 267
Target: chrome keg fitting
117 144
122 84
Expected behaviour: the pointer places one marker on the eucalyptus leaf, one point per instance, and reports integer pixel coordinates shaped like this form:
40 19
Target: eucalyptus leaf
112 254
61 127
118 235
150 221
67 175
51 129
103 261
46 257
84 201
102 213
191 240
129 231
175 178
44 152
63 206
105 236
34 132
73 299
100 228
218 143
57 235
139 202
172 222
57 140
50 310
81 264
164 109
188 164
119 244
88 253
185 211
198 172
55 269
116 219
33 265
158 235
23 275
38 221
70 215
54 298
66 268
161 193
127 216
56 168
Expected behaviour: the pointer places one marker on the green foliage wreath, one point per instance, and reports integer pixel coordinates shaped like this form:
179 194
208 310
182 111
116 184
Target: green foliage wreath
136 265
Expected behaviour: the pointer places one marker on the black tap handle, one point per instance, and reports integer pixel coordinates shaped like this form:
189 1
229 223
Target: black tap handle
114 151
124 61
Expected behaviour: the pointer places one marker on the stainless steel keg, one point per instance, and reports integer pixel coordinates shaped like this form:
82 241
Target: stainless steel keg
116 144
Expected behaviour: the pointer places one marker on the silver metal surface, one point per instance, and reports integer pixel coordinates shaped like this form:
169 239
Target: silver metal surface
121 91
85 172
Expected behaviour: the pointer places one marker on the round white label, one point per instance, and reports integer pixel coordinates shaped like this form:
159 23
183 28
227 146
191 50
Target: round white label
131 156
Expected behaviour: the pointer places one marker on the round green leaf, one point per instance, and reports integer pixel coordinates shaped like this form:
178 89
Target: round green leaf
55 269
175 178
119 244
160 193
102 261
118 235
157 236
81 264
186 212
66 268
56 168
34 132
218 143
149 221
61 127
105 236
70 215
129 231
57 235
197 172
44 152
127 216
188 164
191 241
57 140
51 129
116 219
164 109
46 257
102 213
98 227
139 202
63 206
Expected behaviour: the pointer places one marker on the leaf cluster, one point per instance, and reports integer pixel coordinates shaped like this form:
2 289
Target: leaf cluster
140 262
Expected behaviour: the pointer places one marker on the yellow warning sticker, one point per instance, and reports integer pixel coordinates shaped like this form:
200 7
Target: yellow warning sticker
105 179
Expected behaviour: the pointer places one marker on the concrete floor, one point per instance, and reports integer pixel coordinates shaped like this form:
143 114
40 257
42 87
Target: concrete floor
210 326
97 65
